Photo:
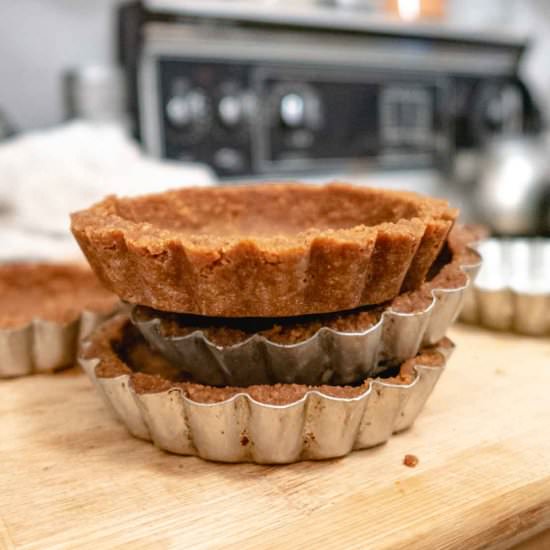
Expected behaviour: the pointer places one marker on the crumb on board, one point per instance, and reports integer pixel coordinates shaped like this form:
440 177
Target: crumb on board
410 460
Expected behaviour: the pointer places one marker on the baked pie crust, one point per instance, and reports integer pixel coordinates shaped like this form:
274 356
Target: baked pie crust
269 250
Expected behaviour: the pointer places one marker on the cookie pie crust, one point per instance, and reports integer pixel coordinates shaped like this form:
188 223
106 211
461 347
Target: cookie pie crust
270 250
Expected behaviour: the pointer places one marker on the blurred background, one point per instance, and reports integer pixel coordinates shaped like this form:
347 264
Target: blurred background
447 97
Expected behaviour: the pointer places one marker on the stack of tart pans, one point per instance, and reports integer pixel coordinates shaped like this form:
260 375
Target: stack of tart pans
512 291
273 323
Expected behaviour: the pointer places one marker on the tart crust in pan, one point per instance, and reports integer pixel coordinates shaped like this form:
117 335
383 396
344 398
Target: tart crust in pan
270 424
271 250
122 350
54 292
47 309
226 332
333 348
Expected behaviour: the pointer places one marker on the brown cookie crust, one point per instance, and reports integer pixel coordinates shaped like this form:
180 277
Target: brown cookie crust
270 250
229 331
49 291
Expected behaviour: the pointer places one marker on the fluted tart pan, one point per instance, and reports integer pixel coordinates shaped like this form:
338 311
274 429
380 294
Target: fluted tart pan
332 349
46 310
267 424
512 292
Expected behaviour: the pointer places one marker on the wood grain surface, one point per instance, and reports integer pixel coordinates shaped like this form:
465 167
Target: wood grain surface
71 477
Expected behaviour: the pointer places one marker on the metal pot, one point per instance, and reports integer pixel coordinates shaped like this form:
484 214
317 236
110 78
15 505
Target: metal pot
512 195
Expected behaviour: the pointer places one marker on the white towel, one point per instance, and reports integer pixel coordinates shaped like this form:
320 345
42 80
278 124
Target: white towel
48 174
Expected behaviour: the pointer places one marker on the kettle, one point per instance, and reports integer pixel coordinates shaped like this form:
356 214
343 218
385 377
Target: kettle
512 195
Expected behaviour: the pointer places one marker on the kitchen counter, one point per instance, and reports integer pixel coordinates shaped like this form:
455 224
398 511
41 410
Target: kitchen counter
72 476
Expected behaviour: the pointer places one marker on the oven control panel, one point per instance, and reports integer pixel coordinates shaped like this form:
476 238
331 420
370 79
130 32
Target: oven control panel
245 118
259 97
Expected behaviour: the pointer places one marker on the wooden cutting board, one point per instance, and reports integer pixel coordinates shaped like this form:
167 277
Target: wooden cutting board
71 476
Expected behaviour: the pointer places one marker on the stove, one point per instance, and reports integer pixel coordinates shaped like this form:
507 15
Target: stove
260 92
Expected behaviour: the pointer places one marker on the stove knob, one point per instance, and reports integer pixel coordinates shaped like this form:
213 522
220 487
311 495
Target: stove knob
230 110
188 109
229 160
292 110
299 109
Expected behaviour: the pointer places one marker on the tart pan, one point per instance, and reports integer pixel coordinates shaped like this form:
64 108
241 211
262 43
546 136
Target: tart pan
512 291
45 346
241 428
327 357
46 336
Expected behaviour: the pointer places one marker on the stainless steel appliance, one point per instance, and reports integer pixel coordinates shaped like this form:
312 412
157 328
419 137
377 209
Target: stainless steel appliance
512 191
273 89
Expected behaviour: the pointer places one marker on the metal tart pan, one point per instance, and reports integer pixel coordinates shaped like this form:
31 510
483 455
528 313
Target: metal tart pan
327 357
242 429
45 346
512 291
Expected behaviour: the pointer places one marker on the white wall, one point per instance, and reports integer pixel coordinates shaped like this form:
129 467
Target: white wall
39 39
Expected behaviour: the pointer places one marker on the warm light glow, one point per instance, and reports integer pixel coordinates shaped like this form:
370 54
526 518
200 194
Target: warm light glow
408 9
